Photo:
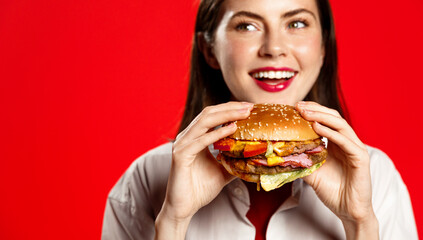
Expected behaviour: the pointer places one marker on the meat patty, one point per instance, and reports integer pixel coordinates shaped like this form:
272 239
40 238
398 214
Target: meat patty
247 166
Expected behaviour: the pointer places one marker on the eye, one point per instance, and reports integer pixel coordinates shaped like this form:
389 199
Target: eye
246 27
297 24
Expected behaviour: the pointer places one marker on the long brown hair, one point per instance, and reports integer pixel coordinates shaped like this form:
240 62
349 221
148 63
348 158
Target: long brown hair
207 86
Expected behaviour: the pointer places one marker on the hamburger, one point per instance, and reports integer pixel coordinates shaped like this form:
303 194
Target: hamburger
273 146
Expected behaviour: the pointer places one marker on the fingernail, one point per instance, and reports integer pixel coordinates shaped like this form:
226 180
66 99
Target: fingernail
232 125
244 110
301 104
248 104
305 112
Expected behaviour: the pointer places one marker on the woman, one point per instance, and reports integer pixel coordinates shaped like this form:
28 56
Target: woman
179 191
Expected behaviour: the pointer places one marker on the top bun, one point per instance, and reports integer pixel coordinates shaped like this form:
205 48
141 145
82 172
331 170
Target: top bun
274 122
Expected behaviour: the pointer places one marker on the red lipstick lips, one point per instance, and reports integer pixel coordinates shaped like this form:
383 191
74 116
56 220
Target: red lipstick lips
273 84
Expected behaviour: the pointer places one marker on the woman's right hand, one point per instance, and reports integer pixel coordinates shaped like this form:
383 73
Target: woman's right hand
196 178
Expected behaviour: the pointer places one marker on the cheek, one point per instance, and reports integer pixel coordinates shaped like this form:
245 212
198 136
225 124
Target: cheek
309 52
234 53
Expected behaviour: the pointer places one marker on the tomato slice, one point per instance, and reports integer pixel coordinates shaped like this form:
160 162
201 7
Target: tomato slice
224 144
255 149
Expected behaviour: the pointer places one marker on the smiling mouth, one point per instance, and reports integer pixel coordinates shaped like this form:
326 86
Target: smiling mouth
273 77
273 80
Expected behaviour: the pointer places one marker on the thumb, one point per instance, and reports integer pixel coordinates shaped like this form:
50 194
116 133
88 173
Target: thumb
227 176
312 179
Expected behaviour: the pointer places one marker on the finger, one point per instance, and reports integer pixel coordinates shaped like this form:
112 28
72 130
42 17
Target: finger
212 109
209 120
222 107
229 106
313 106
205 140
193 147
349 147
334 122
342 125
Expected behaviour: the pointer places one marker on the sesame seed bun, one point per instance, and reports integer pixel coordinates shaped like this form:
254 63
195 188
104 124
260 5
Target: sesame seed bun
274 122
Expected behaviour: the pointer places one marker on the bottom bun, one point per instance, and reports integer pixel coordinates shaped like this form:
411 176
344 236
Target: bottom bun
249 177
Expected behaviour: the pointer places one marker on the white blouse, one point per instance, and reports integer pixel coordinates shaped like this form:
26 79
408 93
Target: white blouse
136 199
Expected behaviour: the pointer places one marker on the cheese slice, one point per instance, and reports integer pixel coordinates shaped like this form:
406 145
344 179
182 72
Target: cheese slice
273 160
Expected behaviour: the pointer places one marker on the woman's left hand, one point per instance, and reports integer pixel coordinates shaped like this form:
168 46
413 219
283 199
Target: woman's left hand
343 183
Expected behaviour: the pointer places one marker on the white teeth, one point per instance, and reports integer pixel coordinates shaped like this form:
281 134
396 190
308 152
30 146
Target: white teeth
279 74
274 74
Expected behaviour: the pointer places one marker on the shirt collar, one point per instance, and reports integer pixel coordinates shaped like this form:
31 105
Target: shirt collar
294 199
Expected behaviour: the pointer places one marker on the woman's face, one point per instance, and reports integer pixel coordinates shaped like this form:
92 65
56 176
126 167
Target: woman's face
269 50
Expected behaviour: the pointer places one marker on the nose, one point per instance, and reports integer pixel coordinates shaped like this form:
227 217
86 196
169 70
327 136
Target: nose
273 45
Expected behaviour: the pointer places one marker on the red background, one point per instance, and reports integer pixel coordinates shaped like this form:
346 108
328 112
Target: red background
78 78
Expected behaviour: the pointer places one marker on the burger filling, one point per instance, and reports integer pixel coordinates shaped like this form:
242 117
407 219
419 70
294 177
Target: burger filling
249 165
286 154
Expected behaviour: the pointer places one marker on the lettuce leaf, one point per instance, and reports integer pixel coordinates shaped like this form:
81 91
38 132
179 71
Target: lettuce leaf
270 182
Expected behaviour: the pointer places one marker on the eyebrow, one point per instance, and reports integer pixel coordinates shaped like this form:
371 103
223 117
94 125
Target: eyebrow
247 14
285 15
298 11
